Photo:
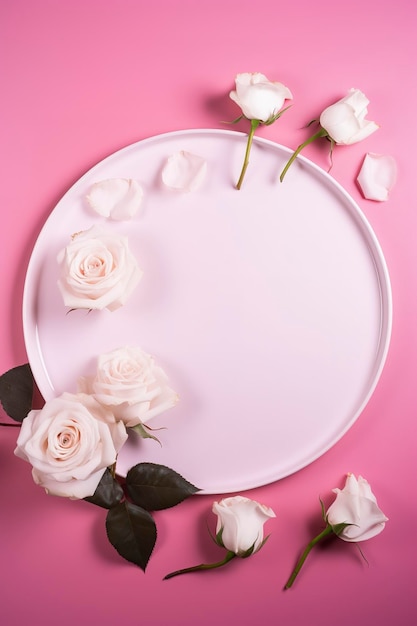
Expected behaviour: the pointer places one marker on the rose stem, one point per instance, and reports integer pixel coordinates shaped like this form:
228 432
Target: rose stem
253 126
320 133
229 556
327 531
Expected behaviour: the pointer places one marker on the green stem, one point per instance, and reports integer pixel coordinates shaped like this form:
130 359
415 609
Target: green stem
253 126
327 531
320 133
229 556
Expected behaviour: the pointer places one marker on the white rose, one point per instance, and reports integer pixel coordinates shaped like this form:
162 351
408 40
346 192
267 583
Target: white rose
70 443
343 123
356 505
97 270
240 521
345 120
259 98
129 381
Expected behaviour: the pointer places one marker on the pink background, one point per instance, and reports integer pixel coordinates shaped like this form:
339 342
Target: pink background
82 78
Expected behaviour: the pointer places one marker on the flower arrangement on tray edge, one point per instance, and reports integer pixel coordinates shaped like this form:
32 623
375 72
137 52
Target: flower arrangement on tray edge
354 516
72 444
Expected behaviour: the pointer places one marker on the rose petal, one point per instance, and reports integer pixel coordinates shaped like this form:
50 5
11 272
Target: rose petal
184 171
116 198
377 176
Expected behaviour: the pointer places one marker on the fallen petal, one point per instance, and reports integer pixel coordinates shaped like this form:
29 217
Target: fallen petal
184 171
377 176
116 198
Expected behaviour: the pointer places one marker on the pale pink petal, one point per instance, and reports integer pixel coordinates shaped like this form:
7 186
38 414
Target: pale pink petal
377 176
184 171
116 198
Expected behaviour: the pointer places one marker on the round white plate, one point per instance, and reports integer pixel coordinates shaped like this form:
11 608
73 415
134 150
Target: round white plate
269 308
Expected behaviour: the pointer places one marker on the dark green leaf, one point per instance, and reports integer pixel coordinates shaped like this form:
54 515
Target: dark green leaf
108 493
156 487
16 392
132 531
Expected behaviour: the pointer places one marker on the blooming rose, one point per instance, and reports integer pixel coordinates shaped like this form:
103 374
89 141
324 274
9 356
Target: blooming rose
259 98
345 121
97 270
70 443
129 381
356 506
240 522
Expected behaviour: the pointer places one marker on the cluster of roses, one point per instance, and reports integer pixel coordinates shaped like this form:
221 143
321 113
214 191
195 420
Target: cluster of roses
75 437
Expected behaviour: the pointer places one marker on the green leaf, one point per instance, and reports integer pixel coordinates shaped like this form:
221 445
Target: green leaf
219 537
132 532
332 145
155 487
108 493
235 121
263 542
339 528
248 552
274 118
323 511
144 432
16 392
